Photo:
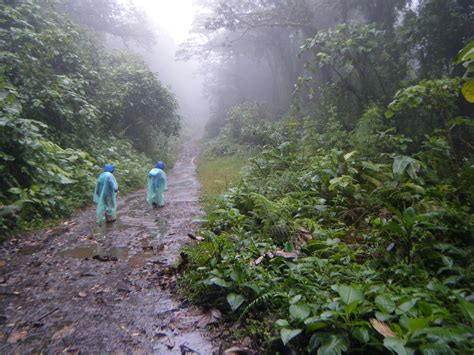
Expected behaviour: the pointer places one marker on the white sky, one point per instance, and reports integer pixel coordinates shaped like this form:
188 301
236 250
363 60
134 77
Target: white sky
174 16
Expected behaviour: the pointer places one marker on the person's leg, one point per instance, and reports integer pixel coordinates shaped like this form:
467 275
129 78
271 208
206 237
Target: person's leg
100 214
110 215
161 199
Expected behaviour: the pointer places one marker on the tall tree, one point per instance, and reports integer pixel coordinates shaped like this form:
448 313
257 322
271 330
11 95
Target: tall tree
117 18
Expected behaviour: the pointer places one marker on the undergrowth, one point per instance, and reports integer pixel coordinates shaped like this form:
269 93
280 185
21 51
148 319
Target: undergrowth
68 105
218 173
341 246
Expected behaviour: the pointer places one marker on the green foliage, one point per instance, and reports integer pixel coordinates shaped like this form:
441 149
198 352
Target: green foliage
118 19
247 125
64 77
466 58
386 245
36 173
67 107
352 232
436 32
388 263
357 62
54 181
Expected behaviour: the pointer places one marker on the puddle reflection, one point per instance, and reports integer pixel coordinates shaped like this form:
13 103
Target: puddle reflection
157 229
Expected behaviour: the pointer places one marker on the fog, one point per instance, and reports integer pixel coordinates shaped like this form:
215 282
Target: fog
215 55
171 22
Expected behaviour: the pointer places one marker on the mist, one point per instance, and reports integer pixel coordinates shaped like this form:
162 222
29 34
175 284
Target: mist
182 77
269 176
169 24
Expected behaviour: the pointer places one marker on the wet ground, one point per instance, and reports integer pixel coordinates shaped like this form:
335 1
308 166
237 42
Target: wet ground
79 288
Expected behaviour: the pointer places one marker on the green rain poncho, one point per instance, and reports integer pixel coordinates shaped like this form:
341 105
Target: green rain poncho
157 185
105 196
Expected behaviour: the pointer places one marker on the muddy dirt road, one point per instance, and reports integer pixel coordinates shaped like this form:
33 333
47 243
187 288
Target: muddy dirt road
80 288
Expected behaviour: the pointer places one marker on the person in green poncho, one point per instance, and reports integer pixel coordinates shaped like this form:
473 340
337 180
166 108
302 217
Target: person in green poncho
105 195
157 185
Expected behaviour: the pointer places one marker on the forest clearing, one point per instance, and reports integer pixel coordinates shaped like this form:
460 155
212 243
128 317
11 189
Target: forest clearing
237 177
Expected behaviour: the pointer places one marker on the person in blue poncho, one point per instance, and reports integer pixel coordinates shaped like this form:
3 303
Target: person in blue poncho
105 195
157 185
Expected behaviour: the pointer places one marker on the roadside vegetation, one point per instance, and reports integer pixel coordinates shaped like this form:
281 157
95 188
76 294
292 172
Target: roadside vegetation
222 158
69 105
351 228
217 174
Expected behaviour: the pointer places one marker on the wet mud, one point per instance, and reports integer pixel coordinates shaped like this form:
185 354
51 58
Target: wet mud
82 288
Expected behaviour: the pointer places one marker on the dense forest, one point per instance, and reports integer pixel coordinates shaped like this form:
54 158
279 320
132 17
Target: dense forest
351 229
350 226
69 105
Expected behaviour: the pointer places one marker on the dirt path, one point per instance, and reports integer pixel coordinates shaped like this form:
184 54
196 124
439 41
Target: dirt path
81 288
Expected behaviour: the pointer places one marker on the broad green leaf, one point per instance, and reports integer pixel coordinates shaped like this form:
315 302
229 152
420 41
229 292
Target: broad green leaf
315 323
299 311
413 169
406 306
389 114
361 334
6 157
254 287
314 342
383 317
349 294
466 307
397 346
385 303
217 281
447 261
15 190
416 188
402 163
468 91
465 53
444 334
349 155
342 181
237 276
65 180
349 308
333 345
436 349
295 299
415 324
282 323
235 301
287 334
461 121
372 180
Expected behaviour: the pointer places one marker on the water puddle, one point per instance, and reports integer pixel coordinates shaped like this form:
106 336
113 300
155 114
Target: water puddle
108 254
140 259
157 229
30 249
89 251
183 183
161 227
106 228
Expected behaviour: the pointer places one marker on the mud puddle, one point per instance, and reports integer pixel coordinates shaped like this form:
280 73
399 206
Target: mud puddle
111 254
85 289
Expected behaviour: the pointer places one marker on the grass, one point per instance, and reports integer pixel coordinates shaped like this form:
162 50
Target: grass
217 174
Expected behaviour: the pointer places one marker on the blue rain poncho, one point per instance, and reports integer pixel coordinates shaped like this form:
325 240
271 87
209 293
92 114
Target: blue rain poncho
157 185
105 196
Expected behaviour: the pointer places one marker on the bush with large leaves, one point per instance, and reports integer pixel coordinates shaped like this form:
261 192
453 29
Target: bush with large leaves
68 105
